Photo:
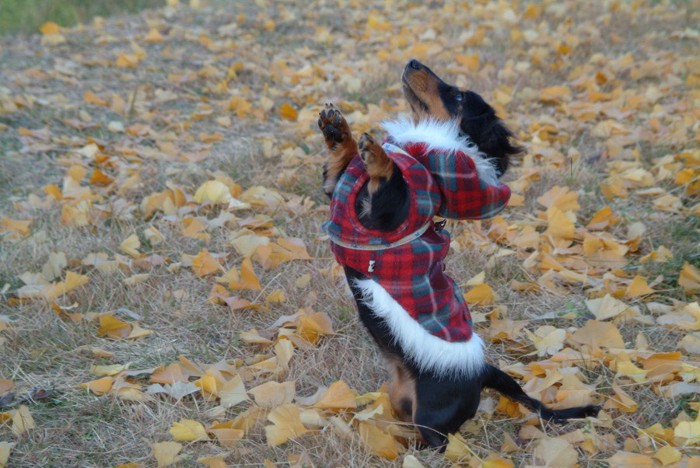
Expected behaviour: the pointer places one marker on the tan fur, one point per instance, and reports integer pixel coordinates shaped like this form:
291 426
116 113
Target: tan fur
402 391
379 166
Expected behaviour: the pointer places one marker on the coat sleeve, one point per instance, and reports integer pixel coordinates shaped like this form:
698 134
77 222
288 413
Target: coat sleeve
464 195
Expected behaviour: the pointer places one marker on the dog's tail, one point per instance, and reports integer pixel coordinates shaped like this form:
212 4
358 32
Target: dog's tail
501 382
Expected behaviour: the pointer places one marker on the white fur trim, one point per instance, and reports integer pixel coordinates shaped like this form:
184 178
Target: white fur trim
442 136
427 351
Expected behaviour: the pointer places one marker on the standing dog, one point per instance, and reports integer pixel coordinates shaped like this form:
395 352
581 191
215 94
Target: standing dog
446 162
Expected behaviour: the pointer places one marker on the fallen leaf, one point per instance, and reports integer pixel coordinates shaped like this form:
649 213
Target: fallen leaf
188 430
286 425
166 453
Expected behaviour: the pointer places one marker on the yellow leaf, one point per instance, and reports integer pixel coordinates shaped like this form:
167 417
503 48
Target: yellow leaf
188 430
555 94
689 278
561 197
233 392
556 452
99 386
275 297
213 191
622 400
481 294
690 431
471 62
606 307
240 106
248 279
602 219
130 246
312 326
18 228
627 369
272 394
548 340
22 421
599 334
379 442
203 264
5 449
153 36
287 112
92 98
287 425
626 459
50 27
457 449
168 375
194 228
112 369
338 396
138 332
227 436
166 453
210 384
72 281
668 455
638 287
560 225
112 327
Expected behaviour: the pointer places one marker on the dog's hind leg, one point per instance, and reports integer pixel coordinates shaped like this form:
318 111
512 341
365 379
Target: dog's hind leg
442 406
340 143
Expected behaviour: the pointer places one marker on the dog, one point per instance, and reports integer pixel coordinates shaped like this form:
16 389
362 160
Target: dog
444 161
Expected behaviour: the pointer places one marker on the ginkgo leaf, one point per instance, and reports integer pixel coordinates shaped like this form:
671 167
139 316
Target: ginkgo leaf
272 394
606 307
287 112
339 396
166 453
247 280
457 449
112 327
622 459
689 278
379 442
287 425
72 281
99 386
481 294
204 264
233 392
213 191
5 449
188 430
131 245
22 421
638 287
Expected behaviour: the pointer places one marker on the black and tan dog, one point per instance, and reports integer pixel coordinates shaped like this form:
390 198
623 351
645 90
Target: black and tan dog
444 161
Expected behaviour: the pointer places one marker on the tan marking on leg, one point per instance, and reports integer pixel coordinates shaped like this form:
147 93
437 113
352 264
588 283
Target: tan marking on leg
402 391
379 166
340 143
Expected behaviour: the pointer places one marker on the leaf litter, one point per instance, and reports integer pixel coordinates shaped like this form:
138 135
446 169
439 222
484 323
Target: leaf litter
185 145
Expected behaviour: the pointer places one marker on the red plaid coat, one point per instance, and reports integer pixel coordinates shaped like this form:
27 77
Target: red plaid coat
409 262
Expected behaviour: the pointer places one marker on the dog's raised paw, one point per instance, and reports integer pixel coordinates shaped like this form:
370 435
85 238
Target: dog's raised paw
333 126
378 165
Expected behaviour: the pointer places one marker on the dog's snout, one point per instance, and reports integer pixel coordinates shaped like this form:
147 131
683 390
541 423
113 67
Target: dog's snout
415 64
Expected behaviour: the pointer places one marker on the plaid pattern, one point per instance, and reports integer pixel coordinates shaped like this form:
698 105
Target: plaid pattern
439 184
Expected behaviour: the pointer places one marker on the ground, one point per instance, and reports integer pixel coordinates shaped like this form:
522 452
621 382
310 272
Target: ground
167 295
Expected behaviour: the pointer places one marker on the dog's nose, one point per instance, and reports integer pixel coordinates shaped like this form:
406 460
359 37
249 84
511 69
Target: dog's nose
415 64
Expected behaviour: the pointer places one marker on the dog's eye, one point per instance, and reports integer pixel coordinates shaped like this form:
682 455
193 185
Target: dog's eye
459 97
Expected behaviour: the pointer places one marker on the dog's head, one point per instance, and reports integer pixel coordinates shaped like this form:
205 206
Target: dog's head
430 97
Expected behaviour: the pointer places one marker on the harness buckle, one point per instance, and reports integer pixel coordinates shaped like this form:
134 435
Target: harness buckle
440 225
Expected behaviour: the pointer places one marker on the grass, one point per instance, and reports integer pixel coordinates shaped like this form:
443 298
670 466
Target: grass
26 16
300 58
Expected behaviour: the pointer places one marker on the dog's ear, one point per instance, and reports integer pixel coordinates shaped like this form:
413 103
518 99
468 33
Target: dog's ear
487 131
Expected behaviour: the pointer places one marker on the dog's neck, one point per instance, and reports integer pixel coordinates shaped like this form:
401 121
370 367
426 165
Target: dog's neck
444 136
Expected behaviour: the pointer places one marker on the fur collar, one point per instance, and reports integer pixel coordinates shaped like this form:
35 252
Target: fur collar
441 136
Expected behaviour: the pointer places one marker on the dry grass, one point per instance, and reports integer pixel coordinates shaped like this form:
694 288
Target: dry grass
42 350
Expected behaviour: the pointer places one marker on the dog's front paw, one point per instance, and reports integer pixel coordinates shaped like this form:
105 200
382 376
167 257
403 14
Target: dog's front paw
333 125
379 166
